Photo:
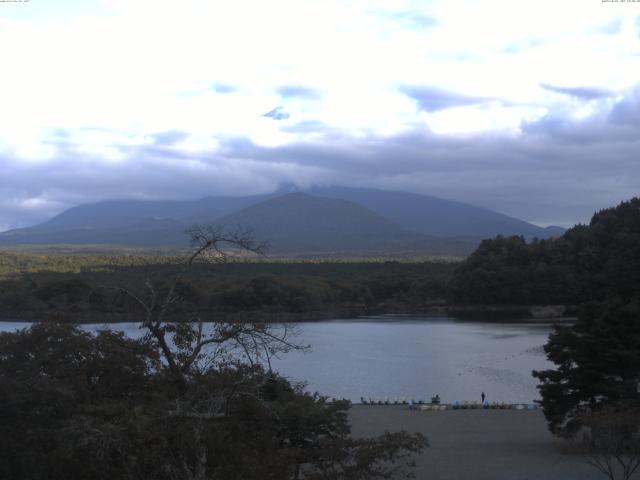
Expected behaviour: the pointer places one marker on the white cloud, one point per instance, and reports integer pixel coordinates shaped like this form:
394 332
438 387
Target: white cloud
126 69
112 74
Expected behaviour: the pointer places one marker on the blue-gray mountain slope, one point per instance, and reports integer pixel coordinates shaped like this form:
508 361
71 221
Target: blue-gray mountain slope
435 216
321 219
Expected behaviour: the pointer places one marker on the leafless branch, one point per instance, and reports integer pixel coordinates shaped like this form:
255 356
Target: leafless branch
610 444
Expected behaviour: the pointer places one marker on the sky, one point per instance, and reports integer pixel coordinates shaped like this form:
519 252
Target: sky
531 108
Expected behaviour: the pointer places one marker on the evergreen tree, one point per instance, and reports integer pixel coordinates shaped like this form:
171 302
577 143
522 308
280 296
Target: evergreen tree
598 366
589 262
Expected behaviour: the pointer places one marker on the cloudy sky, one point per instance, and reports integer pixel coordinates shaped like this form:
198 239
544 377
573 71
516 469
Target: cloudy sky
529 107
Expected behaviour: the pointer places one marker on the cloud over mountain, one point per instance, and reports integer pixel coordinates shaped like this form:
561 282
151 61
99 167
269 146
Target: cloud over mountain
496 103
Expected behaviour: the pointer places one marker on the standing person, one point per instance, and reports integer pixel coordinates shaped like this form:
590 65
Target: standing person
482 396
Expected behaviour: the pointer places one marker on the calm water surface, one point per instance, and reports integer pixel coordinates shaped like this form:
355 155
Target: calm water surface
410 357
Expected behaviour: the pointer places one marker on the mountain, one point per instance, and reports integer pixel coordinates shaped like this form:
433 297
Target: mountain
553 231
435 216
320 219
139 232
113 213
139 223
305 223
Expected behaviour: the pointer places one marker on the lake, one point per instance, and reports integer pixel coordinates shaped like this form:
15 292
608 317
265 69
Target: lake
410 357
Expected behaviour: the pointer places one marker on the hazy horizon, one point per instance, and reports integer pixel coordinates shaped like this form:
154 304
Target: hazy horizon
282 189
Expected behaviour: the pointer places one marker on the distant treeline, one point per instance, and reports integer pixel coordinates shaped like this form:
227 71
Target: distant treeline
589 262
79 286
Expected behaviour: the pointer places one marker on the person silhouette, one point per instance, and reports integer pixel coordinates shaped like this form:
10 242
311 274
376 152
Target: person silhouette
482 396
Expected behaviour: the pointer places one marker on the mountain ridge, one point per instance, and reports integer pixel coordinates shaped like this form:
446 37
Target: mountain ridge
439 217
322 219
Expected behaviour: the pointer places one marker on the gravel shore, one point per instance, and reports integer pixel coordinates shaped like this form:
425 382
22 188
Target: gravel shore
477 444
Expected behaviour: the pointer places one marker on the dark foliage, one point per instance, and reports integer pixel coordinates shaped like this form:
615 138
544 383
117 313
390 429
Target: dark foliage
74 405
187 401
598 366
609 444
587 263
34 285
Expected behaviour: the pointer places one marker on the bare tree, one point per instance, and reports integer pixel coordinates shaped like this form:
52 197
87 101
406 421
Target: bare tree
193 349
220 384
190 345
610 441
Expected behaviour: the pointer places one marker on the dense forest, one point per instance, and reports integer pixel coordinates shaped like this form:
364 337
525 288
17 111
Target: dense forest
589 262
33 286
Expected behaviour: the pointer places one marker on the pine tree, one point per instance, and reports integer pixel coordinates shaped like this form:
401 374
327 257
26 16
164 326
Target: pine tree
598 366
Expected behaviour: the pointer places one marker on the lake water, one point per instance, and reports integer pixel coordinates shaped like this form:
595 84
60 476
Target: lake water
410 357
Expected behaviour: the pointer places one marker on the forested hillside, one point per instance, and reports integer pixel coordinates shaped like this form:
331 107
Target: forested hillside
588 262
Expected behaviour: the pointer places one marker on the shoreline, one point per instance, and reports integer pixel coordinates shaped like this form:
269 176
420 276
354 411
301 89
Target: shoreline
292 318
477 313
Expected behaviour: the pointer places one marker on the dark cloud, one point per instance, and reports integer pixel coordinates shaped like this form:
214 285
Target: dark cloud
277 113
584 93
585 131
558 171
534 177
432 99
298 91
619 123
